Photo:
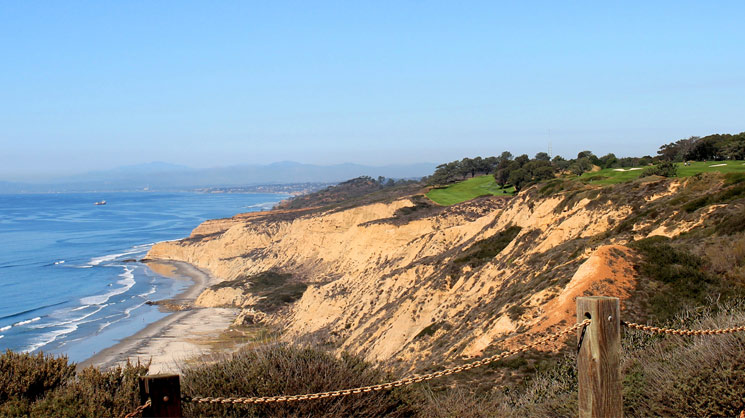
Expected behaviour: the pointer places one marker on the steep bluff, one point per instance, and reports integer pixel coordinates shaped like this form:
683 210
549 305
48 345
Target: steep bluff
445 283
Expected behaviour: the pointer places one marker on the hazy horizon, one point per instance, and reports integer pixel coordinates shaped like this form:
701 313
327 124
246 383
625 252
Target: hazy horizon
91 86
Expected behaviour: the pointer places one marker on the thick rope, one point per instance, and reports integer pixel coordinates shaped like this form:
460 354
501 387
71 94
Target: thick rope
139 410
385 386
658 330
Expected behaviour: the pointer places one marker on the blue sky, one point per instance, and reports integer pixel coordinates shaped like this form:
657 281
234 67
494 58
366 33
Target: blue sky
90 85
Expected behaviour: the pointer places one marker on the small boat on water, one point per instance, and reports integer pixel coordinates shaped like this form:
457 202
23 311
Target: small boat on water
103 202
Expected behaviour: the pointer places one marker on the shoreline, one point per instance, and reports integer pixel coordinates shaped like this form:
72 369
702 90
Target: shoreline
170 341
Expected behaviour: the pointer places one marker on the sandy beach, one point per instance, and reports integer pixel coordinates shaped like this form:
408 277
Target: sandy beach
169 342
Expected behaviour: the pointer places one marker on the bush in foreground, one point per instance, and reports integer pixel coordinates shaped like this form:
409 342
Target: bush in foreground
44 385
286 370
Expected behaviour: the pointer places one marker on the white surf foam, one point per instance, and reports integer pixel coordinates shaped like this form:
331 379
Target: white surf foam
129 310
26 322
3 329
49 337
127 281
78 320
148 293
111 257
265 205
59 262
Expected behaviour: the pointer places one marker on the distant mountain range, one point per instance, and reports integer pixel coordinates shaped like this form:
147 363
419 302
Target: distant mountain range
165 176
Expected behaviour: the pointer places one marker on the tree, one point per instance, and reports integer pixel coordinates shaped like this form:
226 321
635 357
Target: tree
581 165
590 157
677 151
542 156
735 150
446 173
608 160
480 165
664 169
490 163
519 178
703 150
522 159
467 167
502 176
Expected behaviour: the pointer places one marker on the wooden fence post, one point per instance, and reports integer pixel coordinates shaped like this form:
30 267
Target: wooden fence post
164 392
599 358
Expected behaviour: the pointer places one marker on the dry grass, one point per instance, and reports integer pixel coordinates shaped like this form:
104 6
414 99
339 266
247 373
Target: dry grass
663 376
285 370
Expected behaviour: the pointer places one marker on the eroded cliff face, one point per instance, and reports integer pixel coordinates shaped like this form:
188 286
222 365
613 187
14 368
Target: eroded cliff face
399 290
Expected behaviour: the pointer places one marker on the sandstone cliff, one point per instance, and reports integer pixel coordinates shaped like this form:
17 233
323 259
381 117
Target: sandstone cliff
440 283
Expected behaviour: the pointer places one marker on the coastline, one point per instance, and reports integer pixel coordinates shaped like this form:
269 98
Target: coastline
172 340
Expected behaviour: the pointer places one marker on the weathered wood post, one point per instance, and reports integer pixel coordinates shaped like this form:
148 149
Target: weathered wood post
164 392
599 358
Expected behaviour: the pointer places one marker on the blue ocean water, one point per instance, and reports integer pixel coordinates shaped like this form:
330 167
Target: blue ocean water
65 286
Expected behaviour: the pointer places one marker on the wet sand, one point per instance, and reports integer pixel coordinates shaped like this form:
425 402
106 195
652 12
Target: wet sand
170 341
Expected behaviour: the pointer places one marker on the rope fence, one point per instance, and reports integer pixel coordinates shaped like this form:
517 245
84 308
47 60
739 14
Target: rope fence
385 386
671 331
598 361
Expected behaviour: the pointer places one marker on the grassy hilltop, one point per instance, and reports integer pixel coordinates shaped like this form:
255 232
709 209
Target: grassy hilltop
467 190
620 175
486 185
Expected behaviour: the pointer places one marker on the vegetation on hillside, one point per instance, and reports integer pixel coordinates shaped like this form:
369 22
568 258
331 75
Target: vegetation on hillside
277 369
658 379
358 191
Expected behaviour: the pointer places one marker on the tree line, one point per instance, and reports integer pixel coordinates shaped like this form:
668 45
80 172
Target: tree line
522 170
715 147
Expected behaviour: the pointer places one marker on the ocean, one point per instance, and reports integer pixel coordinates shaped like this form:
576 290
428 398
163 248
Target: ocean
67 282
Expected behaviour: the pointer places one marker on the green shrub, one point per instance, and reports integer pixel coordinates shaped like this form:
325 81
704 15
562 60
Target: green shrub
420 203
664 169
734 178
274 289
737 191
95 393
484 250
732 224
515 312
285 370
28 377
552 187
681 280
44 385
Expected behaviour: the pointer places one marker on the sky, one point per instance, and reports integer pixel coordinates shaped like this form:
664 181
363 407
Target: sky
88 85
